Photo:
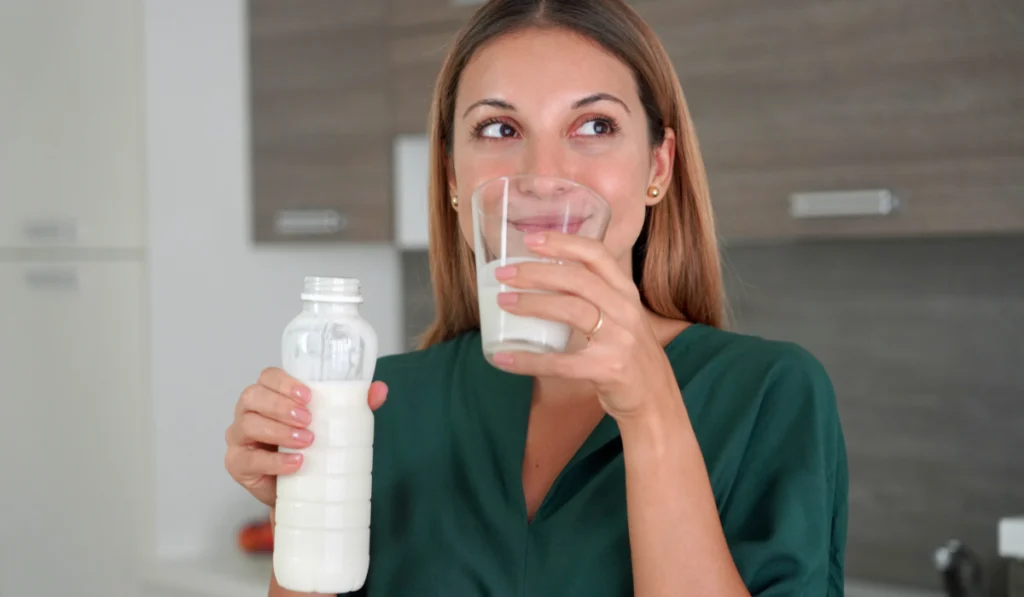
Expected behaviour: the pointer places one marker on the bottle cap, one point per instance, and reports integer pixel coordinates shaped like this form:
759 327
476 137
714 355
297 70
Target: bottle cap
332 290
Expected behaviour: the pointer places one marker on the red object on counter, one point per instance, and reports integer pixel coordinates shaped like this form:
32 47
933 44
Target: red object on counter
257 537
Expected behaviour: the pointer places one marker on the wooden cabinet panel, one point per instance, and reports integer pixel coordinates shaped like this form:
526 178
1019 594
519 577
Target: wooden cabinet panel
415 58
969 196
348 175
276 17
322 59
922 97
413 13
320 120
421 32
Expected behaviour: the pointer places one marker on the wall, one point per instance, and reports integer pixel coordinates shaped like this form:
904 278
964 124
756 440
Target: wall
922 340
218 302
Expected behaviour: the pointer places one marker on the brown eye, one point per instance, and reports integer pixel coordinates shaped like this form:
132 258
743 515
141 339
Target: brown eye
498 130
596 127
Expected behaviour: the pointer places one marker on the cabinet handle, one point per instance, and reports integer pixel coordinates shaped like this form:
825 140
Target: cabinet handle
52 278
840 204
51 230
303 222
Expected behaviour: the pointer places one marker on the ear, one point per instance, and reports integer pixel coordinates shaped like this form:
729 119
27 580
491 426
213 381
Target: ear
663 161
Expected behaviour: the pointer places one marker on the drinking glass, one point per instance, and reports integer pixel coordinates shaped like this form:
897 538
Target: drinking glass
505 210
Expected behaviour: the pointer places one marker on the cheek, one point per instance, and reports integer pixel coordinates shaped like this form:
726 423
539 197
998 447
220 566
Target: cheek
625 227
471 172
466 222
473 168
622 187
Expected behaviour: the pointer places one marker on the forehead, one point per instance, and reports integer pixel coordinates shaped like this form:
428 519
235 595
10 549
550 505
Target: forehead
539 63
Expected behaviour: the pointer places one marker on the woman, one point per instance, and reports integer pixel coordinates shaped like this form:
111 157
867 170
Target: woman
661 455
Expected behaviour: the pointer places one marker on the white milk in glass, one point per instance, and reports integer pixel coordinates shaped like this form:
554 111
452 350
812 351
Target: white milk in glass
322 531
503 331
506 210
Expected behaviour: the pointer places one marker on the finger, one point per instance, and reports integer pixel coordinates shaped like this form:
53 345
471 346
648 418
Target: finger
565 279
378 394
282 383
588 251
270 404
245 462
564 365
255 428
573 310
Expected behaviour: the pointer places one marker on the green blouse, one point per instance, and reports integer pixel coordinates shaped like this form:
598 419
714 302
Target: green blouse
449 516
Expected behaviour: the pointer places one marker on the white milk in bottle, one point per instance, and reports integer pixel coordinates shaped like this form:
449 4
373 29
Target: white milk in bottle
322 532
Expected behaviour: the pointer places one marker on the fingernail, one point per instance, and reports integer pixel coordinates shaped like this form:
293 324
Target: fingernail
505 272
301 415
508 298
293 458
302 393
535 238
304 436
503 359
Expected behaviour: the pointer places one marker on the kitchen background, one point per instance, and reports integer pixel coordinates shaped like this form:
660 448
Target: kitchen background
170 169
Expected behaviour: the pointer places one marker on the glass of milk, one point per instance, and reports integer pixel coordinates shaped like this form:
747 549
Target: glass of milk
505 210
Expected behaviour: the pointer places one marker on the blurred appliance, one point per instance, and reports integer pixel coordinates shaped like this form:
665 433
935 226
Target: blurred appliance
960 569
1011 546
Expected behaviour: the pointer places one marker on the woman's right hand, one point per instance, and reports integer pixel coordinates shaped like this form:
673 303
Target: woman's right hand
272 414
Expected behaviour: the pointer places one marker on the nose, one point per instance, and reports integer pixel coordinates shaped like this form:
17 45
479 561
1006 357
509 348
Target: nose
542 185
545 164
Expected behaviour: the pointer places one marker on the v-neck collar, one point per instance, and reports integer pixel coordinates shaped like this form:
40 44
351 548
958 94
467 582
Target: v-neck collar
505 419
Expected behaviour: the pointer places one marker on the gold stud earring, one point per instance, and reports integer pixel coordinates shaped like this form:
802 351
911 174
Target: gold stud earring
653 191
455 201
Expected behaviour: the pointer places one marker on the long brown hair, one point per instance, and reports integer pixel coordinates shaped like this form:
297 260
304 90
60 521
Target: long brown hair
675 259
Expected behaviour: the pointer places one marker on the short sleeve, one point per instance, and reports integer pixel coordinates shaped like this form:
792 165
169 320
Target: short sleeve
785 517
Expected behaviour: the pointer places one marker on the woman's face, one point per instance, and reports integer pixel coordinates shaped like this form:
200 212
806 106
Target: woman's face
549 102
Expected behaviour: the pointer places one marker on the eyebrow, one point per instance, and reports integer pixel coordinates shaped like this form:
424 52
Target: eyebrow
599 97
494 103
582 103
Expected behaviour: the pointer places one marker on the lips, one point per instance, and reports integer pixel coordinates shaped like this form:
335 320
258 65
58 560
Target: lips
541 224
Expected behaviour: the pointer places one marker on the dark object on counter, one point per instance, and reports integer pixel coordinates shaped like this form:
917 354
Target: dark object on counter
961 570
256 537
1016 579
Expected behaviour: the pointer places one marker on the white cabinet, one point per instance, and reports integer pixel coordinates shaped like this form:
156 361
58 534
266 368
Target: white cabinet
411 181
75 416
71 138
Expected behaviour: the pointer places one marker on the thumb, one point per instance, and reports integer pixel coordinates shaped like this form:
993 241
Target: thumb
377 395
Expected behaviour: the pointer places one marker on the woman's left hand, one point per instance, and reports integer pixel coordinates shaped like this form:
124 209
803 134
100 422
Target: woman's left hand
623 358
